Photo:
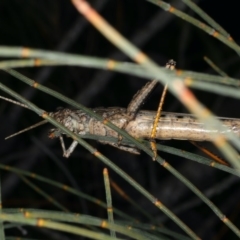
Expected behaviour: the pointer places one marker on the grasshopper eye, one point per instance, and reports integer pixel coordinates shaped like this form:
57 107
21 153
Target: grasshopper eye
54 133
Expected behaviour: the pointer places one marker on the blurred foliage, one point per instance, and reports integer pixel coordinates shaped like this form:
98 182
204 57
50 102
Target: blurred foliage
55 25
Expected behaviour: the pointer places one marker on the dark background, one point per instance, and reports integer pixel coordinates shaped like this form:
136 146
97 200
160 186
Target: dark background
56 25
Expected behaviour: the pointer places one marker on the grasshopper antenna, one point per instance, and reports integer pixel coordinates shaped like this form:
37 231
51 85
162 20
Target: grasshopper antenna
27 129
14 102
24 106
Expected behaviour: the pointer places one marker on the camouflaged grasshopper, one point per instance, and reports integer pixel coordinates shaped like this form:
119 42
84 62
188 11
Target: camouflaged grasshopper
137 123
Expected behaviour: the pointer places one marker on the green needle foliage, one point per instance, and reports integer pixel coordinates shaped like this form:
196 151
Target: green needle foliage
93 60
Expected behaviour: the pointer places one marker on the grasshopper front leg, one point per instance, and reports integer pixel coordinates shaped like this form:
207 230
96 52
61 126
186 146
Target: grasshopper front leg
68 152
56 133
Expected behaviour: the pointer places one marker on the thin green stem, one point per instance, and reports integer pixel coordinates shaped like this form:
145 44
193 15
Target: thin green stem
108 200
